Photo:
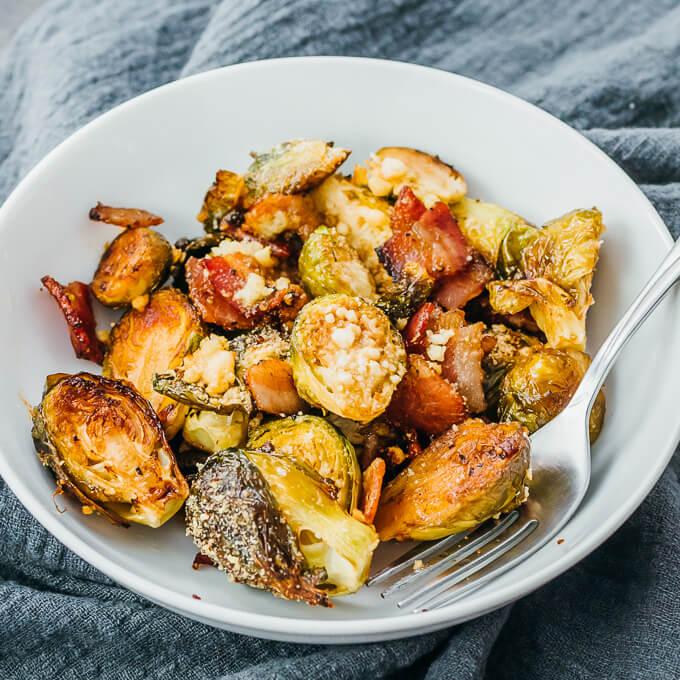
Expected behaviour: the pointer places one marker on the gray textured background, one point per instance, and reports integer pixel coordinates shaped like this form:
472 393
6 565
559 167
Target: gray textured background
610 68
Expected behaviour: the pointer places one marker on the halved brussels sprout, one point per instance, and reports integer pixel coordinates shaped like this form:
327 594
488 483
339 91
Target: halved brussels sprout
206 379
432 180
236 521
106 445
362 218
485 225
329 537
346 357
292 167
317 443
463 478
210 431
224 195
136 263
328 264
152 340
541 383
275 214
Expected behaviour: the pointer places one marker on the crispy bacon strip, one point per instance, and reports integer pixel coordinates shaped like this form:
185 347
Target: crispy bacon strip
131 218
271 383
462 365
74 301
425 401
372 486
457 290
414 334
430 238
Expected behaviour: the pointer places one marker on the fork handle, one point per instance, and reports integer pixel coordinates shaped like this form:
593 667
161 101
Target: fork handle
654 291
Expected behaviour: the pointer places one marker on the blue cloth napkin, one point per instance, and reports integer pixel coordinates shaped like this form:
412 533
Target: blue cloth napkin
610 68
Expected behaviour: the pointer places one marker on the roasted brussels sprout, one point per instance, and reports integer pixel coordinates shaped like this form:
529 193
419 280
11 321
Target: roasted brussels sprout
106 445
469 474
210 431
510 263
224 195
317 443
541 383
362 218
136 263
74 302
236 521
275 214
328 264
409 292
346 357
153 340
432 180
557 271
292 167
130 218
484 225
206 379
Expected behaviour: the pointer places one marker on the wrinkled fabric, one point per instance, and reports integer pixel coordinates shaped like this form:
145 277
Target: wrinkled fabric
611 69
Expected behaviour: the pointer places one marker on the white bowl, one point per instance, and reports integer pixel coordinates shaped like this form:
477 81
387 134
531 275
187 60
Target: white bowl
160 151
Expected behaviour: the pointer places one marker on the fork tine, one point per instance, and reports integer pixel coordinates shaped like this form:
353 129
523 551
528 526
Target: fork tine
431 593
417 553
456 556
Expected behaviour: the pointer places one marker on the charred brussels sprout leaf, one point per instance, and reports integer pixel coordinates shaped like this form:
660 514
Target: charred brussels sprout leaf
292 167
153 340
346 357
136 263
317 443
105 445
328 264
432 180
224 195
407 294
211 432
129 218
329 537
466 476
541 383
237 522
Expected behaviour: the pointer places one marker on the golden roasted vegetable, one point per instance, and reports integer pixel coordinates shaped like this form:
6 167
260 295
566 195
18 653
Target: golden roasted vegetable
328 264
236 521
224 195
510 263
275 214
346 357
541 383
130 218
485 225
392 167
466 476
329 537
407 294
317 443
105 445
292 168
152 340
210 431
136 262
362 218
557 271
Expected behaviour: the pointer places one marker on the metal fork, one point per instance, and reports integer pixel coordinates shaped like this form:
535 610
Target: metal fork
560 462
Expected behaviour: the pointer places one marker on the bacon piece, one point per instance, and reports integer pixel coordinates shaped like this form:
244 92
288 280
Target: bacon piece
425 401
372 486
279 247
462 365
430 238
414 334
74 301
271 383
131 218
456 290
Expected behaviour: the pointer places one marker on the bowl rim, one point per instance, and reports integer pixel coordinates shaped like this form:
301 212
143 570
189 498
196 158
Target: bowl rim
350 629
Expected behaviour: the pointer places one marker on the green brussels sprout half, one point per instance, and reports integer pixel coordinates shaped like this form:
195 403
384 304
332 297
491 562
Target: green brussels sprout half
346 357
238 523
541 383
509 264
328 264
210 431
136 262
152 340
317 443
106 445
458 482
